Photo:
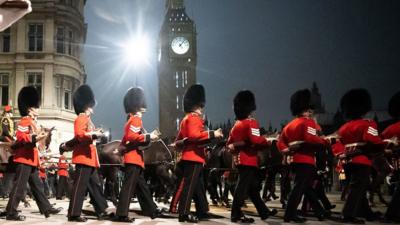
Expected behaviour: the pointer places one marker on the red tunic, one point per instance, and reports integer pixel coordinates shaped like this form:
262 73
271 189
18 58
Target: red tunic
392 131
192 128
248 131
28 156
133 134
85 151
360 132
303 131
62 168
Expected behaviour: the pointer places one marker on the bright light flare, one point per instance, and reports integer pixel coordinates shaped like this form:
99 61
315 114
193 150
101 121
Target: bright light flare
136 51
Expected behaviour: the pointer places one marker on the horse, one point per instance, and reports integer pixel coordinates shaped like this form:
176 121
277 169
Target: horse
218 161
381 168
158 160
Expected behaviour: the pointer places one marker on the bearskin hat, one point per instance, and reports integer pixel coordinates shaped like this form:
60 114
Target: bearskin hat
300 102
355 103
194 97
28 97
243 104
83 98
134 100
394 106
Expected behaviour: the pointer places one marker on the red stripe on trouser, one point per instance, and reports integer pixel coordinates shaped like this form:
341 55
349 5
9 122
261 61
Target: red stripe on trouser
177 197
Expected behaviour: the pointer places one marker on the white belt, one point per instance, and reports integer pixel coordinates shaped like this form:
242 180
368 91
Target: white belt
295 143
357 144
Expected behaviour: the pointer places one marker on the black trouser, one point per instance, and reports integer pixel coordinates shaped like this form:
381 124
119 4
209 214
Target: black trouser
51 180
134 182
284 182
192 187
320 190
321 195
26 174
2 189
303 180
178 189
357 202
248 186
229 187
86 179
213 182
62 187
45 186
393 210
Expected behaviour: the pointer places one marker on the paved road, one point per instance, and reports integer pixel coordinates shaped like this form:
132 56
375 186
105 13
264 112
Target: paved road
33 216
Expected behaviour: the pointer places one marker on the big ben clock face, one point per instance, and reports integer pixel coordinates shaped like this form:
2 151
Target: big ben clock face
180 45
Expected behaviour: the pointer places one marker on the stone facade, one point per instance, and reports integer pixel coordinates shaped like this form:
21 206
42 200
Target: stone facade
44 49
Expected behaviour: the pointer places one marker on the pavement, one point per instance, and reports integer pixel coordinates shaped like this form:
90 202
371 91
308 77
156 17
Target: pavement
222 214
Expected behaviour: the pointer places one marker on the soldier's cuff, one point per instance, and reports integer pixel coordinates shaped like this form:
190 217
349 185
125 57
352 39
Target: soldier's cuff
211 134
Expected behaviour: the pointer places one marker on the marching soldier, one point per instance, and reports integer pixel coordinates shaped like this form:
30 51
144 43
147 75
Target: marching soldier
85 158
7 125
193 131
43 176
244 142
299 138
358 136
134 137
393 131
62 184
26 157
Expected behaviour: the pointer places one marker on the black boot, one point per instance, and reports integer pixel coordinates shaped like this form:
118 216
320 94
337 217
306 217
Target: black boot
242 219
353 220
77 219
188 218
52 211
294 219
15 217
124 219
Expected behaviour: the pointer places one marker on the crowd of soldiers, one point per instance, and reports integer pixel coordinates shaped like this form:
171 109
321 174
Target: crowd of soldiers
355 145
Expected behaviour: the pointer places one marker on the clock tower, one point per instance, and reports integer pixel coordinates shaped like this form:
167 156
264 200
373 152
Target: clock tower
177 59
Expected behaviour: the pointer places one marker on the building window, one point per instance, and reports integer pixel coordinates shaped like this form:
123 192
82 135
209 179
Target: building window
70 39
60 40
6 40
64 87
35 37
67 87
177 123
177 102
183 79
186 75
57 86
4 87
182 105
35 79
65 41
176 79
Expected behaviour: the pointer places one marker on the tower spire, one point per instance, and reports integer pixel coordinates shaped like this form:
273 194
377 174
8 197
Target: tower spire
175 4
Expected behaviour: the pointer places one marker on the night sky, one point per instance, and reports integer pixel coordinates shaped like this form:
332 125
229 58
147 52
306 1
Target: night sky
272 47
